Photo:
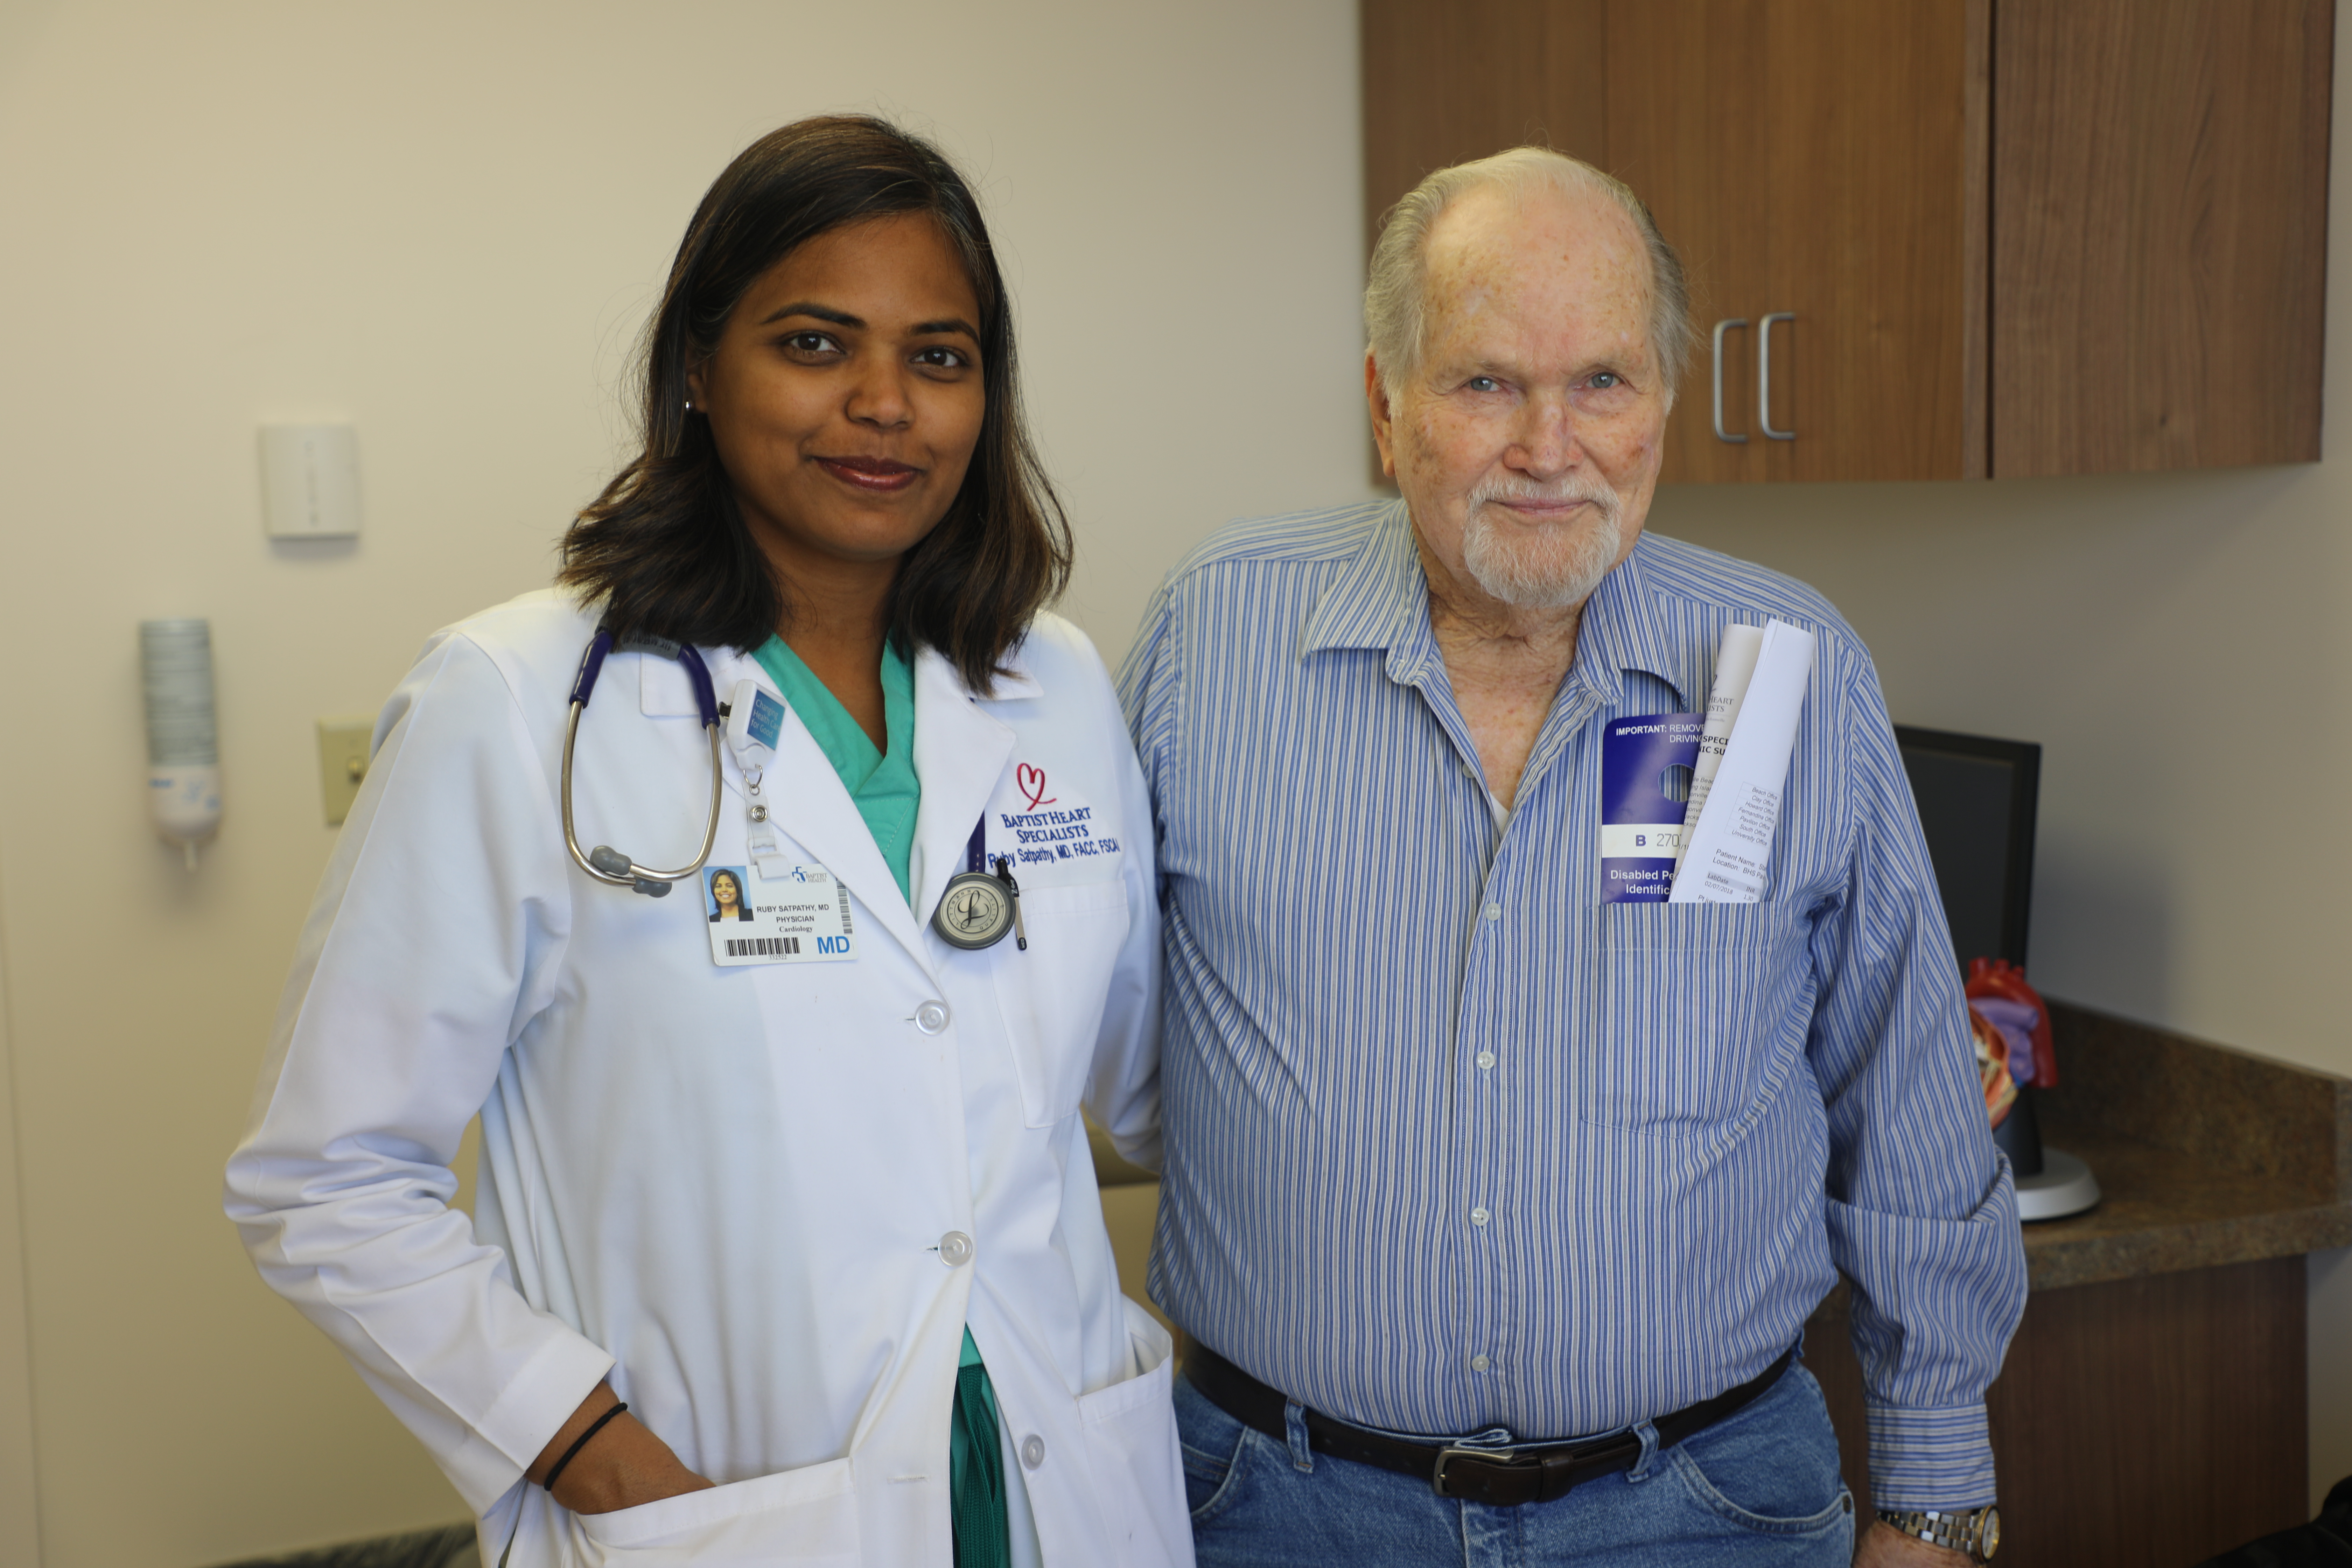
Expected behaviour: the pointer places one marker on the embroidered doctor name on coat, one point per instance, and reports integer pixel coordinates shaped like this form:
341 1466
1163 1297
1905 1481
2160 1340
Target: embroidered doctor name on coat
1051 828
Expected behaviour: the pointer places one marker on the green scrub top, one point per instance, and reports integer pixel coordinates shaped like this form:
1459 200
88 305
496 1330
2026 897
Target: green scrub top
883 786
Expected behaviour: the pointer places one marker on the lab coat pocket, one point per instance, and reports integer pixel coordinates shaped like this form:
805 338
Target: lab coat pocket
807 1516
1688 1013
1138 1469
1052 997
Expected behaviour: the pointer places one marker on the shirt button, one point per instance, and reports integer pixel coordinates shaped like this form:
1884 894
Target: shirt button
1479 1217
1032 1451
932 1017
955 1249
1494 911
1479 1364
1485 1058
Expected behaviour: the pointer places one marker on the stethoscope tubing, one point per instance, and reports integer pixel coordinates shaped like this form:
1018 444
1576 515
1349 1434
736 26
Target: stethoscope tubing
604 863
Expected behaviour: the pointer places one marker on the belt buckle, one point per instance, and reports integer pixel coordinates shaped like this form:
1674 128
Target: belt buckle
1505 1459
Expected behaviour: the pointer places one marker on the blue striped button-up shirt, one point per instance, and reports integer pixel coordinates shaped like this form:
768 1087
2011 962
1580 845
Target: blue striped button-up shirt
1451 1143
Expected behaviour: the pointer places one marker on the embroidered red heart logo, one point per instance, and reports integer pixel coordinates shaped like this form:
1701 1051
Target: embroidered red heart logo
1031 781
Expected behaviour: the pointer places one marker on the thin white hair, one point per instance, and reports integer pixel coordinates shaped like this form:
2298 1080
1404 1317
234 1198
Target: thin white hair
1394 318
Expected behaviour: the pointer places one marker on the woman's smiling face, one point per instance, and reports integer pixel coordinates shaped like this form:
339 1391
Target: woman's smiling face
845 394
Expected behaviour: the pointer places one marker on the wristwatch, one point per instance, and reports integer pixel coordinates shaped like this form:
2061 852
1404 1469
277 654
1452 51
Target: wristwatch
1974 1531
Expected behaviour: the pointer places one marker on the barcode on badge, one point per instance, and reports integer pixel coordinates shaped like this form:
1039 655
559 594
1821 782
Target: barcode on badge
763 947
842 890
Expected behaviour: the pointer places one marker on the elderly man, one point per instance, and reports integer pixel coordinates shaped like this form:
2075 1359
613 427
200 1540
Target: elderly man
1495 1210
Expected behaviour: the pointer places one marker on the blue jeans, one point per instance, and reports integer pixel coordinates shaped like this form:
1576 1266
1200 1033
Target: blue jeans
1761 1487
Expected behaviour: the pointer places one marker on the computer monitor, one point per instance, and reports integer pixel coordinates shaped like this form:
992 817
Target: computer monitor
1977 797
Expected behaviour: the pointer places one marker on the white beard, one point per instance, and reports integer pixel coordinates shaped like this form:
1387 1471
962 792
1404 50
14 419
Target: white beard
1545 567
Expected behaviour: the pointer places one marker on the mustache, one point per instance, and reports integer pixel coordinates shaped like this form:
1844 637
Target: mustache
1567 489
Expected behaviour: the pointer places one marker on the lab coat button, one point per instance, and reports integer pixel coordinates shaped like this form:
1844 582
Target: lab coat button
1032 1451
955 1249
932 1017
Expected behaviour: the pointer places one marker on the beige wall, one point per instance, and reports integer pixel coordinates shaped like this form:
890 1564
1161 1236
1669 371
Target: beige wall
20 1518
445 222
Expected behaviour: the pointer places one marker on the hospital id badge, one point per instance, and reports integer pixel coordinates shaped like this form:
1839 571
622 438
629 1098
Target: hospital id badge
799 916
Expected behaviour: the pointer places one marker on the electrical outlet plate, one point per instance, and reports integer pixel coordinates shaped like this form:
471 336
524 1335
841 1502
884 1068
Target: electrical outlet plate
343 763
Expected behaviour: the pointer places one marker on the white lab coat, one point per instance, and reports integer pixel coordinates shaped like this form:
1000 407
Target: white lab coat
727 1189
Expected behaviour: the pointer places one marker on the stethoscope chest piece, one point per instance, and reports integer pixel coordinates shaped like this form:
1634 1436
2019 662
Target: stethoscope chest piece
978 910
974 912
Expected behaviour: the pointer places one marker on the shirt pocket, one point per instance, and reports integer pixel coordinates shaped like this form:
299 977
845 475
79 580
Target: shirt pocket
1687 1002
806 1516
1052 997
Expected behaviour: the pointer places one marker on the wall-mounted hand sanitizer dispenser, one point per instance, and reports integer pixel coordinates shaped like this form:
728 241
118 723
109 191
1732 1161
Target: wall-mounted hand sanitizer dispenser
309 482
175 660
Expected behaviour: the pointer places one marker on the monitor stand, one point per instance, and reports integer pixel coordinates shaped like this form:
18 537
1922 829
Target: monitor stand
2051 1183
2064 1186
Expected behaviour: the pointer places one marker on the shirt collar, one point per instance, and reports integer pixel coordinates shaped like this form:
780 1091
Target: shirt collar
1019 679
1380 600
1621 630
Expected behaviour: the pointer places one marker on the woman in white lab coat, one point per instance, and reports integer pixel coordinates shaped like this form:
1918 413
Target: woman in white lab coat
809 1194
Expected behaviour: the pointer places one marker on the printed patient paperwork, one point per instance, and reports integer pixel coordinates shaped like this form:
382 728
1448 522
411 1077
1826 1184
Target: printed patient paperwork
1727 840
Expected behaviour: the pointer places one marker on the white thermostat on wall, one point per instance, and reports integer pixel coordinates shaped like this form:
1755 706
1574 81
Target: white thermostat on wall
309 482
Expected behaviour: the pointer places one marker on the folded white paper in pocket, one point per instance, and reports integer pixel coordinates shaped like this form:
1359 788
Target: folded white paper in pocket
1734 665
1729 850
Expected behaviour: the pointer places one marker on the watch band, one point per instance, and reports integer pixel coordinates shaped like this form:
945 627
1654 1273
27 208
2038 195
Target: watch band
1974 1531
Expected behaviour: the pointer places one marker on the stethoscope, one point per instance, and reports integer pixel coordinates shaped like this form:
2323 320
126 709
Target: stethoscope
975 911
604 863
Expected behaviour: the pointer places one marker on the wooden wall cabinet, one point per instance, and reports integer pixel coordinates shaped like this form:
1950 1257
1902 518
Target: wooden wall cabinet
2004 237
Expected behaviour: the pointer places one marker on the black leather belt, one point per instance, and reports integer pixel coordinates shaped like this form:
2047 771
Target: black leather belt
1504 1477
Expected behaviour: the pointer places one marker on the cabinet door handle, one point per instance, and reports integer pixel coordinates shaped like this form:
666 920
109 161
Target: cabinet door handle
1764 374
1720 433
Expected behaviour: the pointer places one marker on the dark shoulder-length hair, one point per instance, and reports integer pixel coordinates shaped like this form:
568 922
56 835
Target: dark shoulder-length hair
665 550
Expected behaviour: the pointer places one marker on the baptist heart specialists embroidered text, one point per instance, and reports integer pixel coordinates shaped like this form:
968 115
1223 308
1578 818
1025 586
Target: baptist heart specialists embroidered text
1055 835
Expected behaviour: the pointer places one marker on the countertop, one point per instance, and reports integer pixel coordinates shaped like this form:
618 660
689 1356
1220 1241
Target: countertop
2204 1154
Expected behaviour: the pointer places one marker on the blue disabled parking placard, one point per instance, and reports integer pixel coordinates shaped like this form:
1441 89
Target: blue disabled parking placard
1645 773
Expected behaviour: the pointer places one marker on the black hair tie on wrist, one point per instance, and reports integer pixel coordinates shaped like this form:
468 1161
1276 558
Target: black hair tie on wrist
569 1453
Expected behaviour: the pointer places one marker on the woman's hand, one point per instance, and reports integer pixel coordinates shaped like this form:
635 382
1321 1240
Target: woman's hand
623 1465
